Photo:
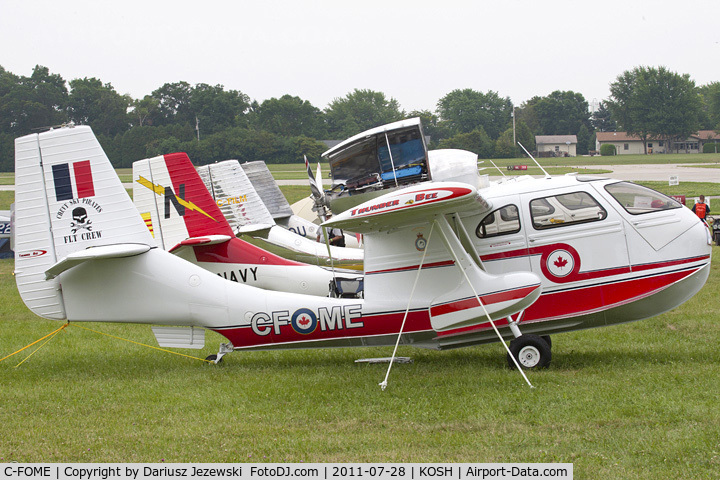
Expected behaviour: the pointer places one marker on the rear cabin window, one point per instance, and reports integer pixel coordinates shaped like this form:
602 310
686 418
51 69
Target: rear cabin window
637 200
503 221
566 209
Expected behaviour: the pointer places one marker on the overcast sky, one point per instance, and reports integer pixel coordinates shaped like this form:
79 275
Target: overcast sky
413 51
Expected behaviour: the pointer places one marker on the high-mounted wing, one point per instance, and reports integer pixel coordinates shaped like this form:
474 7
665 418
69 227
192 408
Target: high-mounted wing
413 204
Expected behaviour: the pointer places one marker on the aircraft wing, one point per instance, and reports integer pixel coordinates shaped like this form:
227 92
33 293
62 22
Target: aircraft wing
410 205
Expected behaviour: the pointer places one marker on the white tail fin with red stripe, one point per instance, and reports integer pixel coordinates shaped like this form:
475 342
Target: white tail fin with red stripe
168 192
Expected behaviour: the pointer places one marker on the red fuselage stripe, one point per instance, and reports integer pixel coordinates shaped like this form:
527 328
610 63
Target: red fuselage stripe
489 299
581 301
412 267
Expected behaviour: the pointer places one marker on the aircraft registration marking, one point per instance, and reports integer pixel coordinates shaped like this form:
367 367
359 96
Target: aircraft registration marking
305 321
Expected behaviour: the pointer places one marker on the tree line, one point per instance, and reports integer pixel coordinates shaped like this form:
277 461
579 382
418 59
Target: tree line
212 124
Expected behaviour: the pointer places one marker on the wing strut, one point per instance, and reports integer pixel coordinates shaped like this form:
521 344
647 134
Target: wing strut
446 231
383 384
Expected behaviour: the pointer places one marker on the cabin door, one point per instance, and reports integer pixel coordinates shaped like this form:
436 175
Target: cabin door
500 238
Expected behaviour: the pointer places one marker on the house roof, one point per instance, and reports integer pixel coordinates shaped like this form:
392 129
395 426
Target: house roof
624 137
616 137
552 139
707 135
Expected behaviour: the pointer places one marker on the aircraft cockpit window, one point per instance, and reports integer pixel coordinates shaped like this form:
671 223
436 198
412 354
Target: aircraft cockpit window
380 161
637 200
566 209
499 222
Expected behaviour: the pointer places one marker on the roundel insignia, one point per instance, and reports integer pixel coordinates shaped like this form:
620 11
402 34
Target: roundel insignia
304 321
420 242
560 263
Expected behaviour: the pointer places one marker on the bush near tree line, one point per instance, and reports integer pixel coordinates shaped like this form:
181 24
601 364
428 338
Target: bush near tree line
608 150
711 147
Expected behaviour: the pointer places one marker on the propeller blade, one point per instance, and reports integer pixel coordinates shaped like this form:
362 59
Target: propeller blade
316 192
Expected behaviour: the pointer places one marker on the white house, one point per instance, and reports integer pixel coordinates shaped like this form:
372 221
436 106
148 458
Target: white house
556 145
630 144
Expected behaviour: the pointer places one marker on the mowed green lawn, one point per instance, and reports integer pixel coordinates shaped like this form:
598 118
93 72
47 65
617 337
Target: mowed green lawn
629 401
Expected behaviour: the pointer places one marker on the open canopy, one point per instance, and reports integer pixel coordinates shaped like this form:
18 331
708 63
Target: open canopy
380 158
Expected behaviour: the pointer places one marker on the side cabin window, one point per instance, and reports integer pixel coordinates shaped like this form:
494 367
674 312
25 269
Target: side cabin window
637 200
503 221
566 209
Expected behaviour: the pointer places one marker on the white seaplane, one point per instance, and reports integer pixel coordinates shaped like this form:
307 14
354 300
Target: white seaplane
448 259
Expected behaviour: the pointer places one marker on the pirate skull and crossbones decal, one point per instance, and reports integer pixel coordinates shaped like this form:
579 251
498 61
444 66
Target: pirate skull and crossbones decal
81 221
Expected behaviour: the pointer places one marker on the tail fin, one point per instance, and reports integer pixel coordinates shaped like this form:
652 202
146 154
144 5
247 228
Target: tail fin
267 188
234 194
171 197
68 198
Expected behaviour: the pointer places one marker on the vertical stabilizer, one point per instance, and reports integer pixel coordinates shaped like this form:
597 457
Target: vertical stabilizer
234 194
67 199
267 188
168 189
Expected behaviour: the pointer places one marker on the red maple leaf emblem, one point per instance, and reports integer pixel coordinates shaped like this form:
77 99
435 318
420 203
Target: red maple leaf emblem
560 262
304 321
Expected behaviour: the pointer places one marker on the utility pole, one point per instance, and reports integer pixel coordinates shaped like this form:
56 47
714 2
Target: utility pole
512 114
197 127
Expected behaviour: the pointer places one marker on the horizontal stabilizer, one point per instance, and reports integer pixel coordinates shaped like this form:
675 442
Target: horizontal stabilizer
259 229
206 240
180 337
95 253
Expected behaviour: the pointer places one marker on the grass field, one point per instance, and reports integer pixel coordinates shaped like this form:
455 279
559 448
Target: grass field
630 401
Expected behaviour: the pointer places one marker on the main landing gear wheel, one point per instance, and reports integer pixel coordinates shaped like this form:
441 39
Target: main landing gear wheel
530 351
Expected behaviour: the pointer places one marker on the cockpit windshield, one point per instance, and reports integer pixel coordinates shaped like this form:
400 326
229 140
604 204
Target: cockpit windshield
380 159
638 200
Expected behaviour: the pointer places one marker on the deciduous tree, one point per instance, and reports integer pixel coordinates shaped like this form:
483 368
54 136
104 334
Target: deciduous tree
655 103
360 110
96 104
466 110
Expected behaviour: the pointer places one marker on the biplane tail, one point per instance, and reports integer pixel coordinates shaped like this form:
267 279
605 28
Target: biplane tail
70 206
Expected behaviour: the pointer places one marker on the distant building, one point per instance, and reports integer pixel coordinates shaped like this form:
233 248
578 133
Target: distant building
630 144
556 145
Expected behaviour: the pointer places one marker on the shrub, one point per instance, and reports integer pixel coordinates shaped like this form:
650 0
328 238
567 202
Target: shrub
607 150
711 147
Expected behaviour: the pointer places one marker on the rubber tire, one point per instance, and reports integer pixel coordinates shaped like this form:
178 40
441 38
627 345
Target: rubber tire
533 349
212 358
548 340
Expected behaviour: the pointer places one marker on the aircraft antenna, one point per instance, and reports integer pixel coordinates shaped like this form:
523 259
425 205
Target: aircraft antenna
383 384
493 164
547 175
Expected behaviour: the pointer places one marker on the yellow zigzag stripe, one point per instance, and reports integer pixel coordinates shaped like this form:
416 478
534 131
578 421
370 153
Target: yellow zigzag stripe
160 190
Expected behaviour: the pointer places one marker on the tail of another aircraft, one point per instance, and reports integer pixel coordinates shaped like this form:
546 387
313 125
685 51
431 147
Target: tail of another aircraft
69 206
174 202
235 195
